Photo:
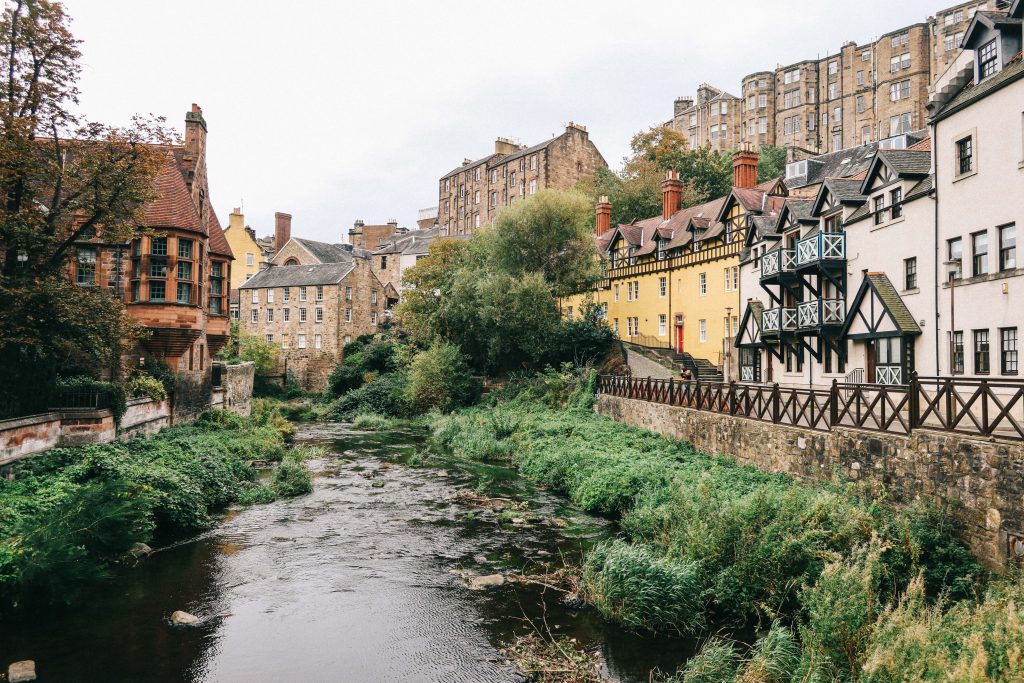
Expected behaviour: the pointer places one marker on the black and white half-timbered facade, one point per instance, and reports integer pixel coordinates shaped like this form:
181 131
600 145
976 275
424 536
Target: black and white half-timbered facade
831 276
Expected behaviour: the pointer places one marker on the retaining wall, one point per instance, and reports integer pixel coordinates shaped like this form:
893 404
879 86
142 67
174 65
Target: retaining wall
982 478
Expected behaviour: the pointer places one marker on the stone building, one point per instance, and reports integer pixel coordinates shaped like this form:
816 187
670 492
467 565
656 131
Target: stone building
370 237
712 119
311 311
862 93
472 194
174 279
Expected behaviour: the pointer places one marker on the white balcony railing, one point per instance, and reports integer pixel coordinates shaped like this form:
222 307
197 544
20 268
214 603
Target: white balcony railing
776 320
824 246
778 261
821 312
747 373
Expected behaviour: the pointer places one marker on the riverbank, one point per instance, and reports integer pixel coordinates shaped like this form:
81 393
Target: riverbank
836 584
70 514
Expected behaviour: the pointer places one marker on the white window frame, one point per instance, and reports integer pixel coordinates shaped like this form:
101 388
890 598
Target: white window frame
702 280
702 325
318 341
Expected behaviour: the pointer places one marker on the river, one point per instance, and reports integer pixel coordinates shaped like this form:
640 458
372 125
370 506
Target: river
354 582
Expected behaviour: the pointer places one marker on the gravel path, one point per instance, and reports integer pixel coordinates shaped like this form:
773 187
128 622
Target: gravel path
644 367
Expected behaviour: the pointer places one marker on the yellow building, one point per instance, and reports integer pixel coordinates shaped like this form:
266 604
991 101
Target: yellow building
673 280
248 250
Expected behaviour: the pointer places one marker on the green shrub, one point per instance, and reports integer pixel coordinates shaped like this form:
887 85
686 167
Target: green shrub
344 378
112 394
267 413
71 511
440 379
386 395
372 423
291 479
257 495
644 591
717 662
142 385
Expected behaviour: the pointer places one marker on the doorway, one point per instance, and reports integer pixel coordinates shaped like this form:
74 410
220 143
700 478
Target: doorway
679 334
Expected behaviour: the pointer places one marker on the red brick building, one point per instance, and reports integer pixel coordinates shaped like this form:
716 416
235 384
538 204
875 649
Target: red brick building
174 279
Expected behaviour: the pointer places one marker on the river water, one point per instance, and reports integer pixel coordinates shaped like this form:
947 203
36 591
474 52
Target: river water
354 582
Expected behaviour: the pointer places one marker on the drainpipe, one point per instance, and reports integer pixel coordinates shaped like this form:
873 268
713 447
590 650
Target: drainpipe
938 247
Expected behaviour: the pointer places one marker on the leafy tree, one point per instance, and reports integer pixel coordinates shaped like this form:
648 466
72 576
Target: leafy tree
62 179
771 163
440 379
549 234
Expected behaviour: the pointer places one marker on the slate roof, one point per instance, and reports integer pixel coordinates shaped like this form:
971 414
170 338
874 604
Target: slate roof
845 189
462 167
1012 72
295 276
923 187
891 298
908 162
415 242
325 252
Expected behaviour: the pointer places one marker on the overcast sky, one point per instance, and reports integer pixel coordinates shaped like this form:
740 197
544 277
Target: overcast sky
334 111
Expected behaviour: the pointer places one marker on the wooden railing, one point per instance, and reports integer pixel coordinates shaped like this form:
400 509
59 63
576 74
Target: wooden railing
988 408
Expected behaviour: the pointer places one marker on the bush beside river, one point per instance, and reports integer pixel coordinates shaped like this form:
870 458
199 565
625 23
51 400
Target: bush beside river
72 512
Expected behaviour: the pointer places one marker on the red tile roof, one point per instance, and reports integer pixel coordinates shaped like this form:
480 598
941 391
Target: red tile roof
922 146
173 206
218 243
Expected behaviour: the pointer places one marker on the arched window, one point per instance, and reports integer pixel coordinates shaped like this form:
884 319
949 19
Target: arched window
292 262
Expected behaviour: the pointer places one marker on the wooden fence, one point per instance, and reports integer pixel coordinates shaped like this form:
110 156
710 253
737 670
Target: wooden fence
989 408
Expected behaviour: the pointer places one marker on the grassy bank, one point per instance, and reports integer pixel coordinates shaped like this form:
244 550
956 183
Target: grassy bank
71 513
837 585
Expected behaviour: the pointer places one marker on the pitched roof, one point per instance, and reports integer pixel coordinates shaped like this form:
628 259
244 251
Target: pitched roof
173 206
890 298
218 243
1012 72
907 162
295 276
462 167
325 252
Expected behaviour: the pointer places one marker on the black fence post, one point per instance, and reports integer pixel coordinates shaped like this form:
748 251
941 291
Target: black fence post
914 401
985 426
833 404
776 398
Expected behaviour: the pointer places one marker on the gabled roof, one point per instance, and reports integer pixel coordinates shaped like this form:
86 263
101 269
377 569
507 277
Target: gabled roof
1012 72
750 337
472 164
752 199
840 164
987 20
218 242
845 191
173 206
893 315
902 163
296 276
325 252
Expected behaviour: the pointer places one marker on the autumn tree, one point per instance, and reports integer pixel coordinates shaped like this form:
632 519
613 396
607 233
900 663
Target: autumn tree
62 179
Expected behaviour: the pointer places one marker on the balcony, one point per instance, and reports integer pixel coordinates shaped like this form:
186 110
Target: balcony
813 316
824 249
777 265
777 321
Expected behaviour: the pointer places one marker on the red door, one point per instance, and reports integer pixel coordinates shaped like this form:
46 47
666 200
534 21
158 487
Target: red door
679 334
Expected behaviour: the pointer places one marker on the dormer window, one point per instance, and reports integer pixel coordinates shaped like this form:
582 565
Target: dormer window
796 169
988 60
662 246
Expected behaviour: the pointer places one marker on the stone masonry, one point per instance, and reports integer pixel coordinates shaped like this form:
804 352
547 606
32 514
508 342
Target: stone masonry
983 480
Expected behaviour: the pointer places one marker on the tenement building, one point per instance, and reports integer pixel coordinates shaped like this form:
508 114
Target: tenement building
472 194
311 312
905 265
673 280
174 278
862 93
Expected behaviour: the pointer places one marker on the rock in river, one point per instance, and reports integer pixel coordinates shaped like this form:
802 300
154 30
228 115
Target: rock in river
141 550
480 582
22 671
180 618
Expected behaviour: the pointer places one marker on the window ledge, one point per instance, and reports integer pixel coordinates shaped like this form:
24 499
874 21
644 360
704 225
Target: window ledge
1021 165
965 176
915 290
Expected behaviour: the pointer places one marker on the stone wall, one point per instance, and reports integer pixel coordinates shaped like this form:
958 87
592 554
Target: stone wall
144 416
237 387
84 426
982 479
24 436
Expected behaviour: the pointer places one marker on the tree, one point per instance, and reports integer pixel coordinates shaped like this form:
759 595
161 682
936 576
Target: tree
550 233
62 179
771 163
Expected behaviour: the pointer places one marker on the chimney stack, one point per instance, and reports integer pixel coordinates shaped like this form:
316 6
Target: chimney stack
744 167
671 193
282 229
604 215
